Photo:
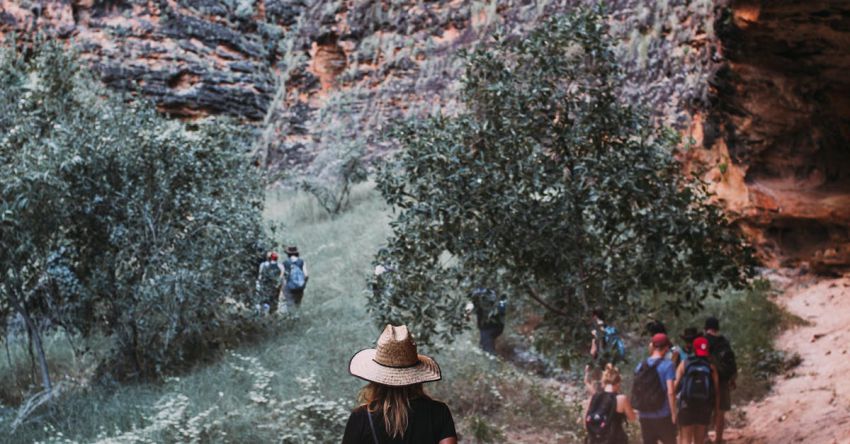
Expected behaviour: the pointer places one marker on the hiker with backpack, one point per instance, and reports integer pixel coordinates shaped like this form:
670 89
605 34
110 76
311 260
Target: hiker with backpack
653 394
723 359
295 278
394 407
687 348
698 393
489 315
268 284
606 345
607 410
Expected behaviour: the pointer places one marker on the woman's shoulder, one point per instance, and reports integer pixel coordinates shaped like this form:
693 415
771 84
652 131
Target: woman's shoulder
427 403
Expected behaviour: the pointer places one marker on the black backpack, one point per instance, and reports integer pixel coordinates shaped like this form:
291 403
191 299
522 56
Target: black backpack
599 421
647 393
697 388
723 357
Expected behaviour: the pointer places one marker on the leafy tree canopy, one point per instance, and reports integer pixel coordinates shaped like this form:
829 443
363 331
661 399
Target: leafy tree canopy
116 222
549 188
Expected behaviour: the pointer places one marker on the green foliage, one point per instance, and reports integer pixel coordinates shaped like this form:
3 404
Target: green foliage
551 189
116 222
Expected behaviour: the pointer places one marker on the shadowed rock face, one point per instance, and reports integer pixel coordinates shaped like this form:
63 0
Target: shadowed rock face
192 61
780 128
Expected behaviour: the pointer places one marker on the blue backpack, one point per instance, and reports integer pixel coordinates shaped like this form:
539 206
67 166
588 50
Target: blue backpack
612 344
697 386
297 280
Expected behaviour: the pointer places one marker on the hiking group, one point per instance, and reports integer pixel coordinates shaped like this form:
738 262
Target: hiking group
677 392
288 279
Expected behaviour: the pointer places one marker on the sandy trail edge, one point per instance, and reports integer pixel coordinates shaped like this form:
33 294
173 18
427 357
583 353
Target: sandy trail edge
812 403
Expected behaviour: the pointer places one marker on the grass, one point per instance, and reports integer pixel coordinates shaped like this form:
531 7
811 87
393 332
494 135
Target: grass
245 394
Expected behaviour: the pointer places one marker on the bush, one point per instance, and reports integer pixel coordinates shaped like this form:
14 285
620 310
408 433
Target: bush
339 165
551 189
115 222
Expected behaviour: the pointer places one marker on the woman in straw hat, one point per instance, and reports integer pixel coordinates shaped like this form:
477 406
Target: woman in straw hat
394 407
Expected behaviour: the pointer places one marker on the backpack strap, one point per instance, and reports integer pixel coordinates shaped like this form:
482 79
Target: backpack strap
372 426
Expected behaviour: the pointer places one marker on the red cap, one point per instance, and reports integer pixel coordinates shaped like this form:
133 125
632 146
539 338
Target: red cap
272 256
660 340
701 347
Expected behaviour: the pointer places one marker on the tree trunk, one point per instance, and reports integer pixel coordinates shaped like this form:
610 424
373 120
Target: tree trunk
35 336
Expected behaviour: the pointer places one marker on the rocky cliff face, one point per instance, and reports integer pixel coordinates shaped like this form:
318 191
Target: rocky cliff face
759 86
777 132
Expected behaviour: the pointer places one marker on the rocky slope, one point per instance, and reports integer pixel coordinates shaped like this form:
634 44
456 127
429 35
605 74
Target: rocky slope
759 86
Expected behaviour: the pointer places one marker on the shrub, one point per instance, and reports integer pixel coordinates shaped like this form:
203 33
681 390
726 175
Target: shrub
549 188
339 165
115 222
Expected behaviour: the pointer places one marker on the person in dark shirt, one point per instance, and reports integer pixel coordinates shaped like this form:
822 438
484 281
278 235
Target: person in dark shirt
394 408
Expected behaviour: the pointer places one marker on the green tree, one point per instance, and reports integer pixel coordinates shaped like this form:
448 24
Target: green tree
116 222
551 189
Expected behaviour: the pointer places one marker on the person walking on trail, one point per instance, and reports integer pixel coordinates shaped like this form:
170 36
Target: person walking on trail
687 349
269 284
295 277
654 327
394 407
607 410
723 359
490 316
606 345
653 394
698 395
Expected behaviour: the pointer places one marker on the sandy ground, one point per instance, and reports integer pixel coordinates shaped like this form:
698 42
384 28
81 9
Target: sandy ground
811 404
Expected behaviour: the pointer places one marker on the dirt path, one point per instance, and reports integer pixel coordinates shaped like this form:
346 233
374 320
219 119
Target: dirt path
812 403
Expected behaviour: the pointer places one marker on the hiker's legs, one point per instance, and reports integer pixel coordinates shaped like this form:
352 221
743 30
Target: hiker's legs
686 434
698 434
290 300
488 339
719 426
297 295
653 430
725 406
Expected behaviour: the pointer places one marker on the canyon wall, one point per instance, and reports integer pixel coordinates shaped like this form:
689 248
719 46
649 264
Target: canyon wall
758 88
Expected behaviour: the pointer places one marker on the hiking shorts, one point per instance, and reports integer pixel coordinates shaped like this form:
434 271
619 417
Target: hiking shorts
725 396
694 416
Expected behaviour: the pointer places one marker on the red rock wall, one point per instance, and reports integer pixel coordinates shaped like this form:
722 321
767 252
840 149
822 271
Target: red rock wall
778 129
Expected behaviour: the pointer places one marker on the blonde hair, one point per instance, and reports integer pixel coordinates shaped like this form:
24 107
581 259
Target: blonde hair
393 403
611 375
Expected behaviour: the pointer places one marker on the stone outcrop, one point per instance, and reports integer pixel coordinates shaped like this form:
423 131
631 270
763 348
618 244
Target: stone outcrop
776 135
758 87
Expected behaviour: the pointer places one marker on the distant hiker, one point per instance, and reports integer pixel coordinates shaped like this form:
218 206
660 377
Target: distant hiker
295 278
654 327
607 410
653 394
394 407
606 345
698 395
490 316
723 359
687 349
269 283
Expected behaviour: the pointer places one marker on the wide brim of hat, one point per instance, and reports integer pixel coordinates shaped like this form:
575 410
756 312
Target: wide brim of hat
363 366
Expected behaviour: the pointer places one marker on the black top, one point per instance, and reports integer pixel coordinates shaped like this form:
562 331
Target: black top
429 422
618 433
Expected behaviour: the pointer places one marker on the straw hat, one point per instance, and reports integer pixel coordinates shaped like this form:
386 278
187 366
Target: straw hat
394 361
